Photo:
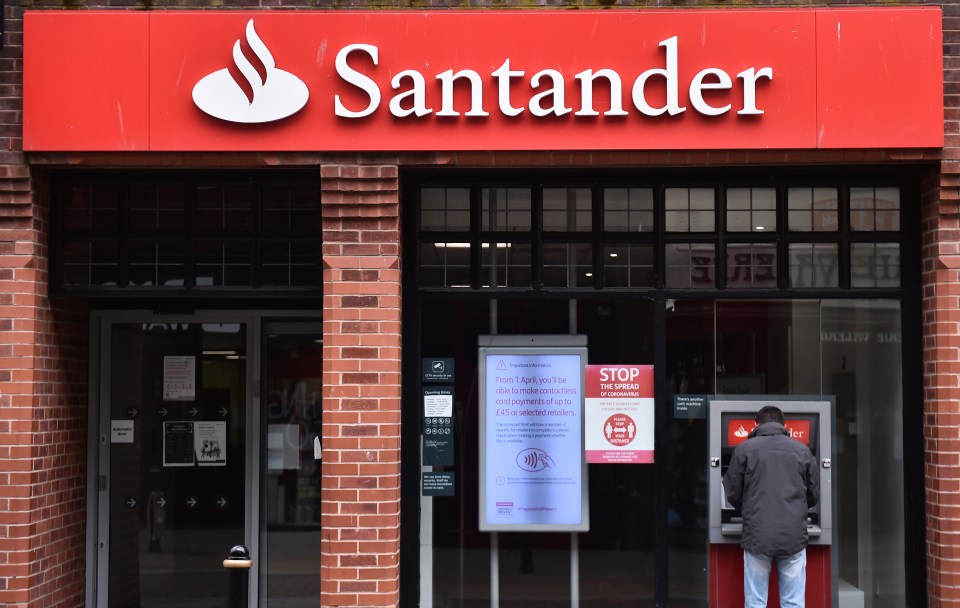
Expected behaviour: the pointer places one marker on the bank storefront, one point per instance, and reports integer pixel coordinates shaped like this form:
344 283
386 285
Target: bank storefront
426 320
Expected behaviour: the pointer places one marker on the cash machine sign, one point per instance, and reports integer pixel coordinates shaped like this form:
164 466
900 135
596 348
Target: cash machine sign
739 429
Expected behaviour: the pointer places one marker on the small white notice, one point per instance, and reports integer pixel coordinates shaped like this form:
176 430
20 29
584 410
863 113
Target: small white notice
438 402
179 378
121 431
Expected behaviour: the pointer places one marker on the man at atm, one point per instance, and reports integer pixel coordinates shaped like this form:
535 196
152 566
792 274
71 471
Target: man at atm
773 480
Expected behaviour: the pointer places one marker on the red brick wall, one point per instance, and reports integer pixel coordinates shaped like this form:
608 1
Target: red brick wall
361 385
43 377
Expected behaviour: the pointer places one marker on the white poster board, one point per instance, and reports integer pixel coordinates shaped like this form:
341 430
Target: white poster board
533 476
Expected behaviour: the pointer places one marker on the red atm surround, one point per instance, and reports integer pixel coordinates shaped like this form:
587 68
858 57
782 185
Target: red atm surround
731 420
726 578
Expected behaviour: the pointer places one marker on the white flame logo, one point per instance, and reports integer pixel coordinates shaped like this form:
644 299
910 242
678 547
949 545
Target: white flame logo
277 95
741 432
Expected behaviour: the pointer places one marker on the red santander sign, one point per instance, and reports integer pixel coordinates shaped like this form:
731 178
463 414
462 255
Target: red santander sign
738 430
468 80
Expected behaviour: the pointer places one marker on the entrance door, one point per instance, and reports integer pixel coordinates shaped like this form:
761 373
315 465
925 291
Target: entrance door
174 482
208 436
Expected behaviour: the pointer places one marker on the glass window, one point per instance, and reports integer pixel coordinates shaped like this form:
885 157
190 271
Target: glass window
567 210
567 265
751 210
690 210
144 233
224 208
506 264
874 209
506 209
91 207
445 209
862 369
157 207
223 263
875 265
751 265
445 264
289 262
814 265
812 210
290 208
628 265
690 265
156 262
628 209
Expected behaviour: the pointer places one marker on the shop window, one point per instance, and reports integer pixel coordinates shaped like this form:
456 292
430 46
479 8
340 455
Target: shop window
90 262
690 265
812 210
814 265
616 235
505 264
223 263
505 209
292 262
628 209
160 208
875 265
445 209
156 262
225 207
874 209
91 206
567 265
287 208
690 210
628 265
445 264
567 210
751 210
751 265
180 231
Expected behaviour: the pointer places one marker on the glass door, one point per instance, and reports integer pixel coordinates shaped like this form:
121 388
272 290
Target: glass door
290 430
173 461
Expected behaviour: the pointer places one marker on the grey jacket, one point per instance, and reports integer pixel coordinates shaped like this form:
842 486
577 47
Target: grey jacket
773 480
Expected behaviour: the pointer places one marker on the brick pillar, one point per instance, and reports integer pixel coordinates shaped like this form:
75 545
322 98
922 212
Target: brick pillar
941 357
43 377
361 386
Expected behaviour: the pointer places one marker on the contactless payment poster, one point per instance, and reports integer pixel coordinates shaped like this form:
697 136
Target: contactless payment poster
619 414
532 467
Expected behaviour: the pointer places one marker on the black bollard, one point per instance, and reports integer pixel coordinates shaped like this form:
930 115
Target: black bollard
238 576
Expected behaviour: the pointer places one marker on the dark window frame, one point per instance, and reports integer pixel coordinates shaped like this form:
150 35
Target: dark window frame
190 235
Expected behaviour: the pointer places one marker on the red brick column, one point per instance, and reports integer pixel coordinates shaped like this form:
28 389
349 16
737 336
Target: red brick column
941 355
361 392
43 378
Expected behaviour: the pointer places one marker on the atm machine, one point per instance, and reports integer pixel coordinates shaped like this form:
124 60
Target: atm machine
809 422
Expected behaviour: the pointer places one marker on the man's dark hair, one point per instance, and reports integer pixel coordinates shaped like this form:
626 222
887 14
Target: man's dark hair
769 413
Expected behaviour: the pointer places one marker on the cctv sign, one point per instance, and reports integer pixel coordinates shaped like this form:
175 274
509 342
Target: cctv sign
618 425
483 80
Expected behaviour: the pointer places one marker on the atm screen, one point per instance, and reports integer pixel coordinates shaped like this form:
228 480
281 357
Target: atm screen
736 427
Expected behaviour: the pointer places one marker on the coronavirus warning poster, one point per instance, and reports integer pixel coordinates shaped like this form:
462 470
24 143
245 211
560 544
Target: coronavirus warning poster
618 426
533 475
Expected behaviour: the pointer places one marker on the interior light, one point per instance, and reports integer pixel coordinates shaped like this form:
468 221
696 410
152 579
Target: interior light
760 228
589 274
613 255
